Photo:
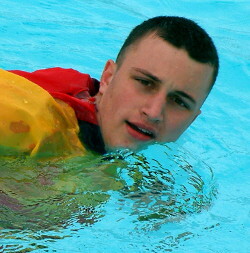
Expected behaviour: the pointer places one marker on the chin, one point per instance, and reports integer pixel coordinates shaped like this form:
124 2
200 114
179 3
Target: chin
119 146
137 148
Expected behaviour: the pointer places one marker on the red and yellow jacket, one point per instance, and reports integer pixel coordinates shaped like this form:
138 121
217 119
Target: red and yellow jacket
40 111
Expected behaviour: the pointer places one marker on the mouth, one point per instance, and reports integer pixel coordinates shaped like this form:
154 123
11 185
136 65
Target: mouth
140 132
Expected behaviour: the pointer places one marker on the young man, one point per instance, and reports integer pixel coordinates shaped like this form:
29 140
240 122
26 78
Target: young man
152 93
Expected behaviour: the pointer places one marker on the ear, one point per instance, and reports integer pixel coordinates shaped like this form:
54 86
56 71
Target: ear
107 75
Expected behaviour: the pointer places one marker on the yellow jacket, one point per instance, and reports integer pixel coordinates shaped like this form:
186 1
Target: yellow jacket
32 122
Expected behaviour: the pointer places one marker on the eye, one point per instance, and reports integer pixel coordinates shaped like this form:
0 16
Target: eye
180 102
144 82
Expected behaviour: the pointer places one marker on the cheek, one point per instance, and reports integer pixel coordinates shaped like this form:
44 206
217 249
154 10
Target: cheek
174 126
182 123
110 107
121 99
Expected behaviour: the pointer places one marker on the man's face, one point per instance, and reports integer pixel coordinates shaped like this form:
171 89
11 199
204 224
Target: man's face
152 96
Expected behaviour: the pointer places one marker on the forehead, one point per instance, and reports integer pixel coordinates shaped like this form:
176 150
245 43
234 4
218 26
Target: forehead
168 63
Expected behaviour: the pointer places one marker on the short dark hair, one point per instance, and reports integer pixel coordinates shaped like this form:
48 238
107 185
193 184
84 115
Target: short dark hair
182 33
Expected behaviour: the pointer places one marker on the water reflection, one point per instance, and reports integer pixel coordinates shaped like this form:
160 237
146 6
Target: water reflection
169 188
54 195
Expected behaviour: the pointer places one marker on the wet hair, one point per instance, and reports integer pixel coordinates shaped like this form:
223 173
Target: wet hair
182 33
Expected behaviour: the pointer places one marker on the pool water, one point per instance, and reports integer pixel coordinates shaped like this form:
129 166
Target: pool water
190 196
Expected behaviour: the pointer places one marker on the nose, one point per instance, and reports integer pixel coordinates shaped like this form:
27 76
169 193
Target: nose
154 107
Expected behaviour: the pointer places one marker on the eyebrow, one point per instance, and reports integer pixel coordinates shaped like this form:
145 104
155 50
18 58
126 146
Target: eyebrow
148 74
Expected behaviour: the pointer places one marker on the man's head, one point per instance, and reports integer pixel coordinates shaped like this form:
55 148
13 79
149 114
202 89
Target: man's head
162 75
180 32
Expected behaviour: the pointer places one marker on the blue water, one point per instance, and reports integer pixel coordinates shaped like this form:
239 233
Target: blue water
83 35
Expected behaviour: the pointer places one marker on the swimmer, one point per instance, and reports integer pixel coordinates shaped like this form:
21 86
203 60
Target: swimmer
152 93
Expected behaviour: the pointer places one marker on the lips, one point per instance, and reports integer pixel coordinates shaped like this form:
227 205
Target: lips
140 131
